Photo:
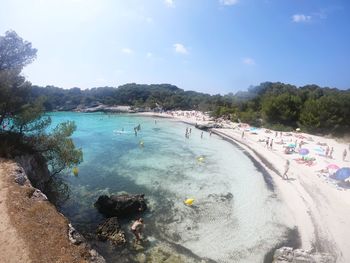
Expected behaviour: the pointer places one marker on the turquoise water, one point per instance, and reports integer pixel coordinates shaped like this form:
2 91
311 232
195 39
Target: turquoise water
235 217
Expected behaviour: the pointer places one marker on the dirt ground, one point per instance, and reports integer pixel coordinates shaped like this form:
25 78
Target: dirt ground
32 231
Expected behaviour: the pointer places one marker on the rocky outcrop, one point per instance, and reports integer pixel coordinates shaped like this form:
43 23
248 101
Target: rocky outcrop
208 126
74 236
36 210
121 205
20 177
35 167
288 254
105 108
110 230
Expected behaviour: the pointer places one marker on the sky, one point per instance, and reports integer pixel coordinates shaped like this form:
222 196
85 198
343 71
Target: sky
211 46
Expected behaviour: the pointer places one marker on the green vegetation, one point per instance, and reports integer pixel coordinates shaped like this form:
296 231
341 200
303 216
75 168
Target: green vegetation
274 105
23 124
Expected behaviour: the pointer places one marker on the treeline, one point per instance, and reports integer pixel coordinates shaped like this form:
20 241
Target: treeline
283 106
276 105
152 96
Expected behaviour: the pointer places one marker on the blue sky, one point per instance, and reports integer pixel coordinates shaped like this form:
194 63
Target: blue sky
213 46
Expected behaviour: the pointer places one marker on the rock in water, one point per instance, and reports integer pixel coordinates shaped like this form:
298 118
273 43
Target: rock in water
110 230
74 236
121 205
288 254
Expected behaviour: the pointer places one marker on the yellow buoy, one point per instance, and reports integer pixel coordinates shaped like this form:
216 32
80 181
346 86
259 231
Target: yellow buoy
200 159
189 201
75 171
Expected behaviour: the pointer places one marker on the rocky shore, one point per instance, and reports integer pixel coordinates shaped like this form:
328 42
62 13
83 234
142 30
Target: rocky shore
105 108
32 230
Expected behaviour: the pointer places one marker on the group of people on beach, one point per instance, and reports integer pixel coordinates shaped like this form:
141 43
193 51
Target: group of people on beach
269 143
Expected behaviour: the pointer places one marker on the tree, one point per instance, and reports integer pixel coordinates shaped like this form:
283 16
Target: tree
324 114
283 108
58 148
15 53
22 116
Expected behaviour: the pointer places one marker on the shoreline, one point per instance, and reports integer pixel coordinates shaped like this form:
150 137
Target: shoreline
317 207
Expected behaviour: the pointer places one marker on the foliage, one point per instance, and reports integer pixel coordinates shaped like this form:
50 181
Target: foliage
23 124
272 104
58 148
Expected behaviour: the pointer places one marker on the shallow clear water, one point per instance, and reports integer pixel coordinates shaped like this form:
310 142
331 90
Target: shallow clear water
224 229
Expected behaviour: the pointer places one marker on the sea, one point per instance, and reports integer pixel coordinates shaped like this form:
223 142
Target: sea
235 217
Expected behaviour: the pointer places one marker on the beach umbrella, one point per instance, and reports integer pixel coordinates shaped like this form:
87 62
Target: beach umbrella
319 150
333 166
303 151
291 145
342 173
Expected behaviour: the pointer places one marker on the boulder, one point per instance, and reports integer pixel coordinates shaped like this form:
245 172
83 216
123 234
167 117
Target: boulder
20 176
37 195
121 205
110 230
35 168
74 236
288 254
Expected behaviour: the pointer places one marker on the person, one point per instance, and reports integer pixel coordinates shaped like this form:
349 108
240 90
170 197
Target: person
201 135
136 229
286 169
344 154
271 143
210 132
327 151
267 142
331 153
242 134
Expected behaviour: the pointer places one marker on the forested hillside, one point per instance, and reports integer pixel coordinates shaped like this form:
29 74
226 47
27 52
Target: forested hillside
277 105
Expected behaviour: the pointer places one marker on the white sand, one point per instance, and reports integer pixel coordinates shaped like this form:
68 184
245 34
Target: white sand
320 209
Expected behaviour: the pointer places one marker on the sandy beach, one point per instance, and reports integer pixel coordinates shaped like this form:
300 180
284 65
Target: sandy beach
317 205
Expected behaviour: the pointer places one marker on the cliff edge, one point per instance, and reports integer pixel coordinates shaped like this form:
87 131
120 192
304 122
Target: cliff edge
32 230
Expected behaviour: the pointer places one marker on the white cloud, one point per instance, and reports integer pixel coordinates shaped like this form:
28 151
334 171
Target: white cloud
179 48
127 50
169 3
228 2
248 61
299 18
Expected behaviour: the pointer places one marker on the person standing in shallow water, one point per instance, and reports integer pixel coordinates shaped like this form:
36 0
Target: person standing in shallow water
136 229
202 135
